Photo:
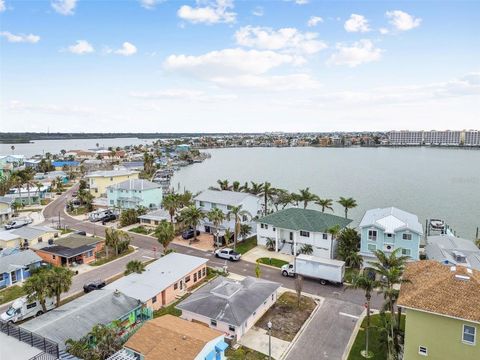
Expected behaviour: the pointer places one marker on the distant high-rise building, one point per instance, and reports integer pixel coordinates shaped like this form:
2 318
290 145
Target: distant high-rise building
472 138
405 137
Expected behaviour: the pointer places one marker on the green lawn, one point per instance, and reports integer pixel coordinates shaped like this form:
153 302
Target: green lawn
246 245
81 210
379 352
272 261
11 293
170 309
104 260
243 353
140 230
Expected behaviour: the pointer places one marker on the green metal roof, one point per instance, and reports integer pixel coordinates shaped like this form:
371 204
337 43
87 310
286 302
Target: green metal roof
304 219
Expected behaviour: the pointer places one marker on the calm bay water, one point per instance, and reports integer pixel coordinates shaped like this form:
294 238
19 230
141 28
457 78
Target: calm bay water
432 183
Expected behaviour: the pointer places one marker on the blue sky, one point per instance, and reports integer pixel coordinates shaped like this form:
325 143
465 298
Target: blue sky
225 65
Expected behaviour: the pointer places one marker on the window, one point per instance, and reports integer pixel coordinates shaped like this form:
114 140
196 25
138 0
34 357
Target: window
111 202
53 257
195 277
266 226
372 235
187 279
214 206
273 296
231 328
244 218
90 253
273 229
406 252
154 300
1 277
304 233
32 305
199 274
372 247
202 204
422 350
204 271
407 237
213 322
262 226
175 286
325 236
229 207
469 334
111 179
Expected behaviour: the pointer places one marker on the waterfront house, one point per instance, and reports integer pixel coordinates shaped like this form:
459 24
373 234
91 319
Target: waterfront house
71 250
230 306
169 337
63 164
76 318
15 266
182 148
6 210
26 236
290 229
154 217
442 306
10 163
98 181
132 193
225 200
389 229
164 280
452 250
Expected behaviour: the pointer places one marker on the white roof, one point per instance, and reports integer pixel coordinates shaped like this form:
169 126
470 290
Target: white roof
157 276
224 197
135 184
321 260
111 173
391 220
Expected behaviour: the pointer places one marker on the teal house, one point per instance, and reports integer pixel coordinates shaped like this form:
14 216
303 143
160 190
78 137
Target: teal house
132 193
389 229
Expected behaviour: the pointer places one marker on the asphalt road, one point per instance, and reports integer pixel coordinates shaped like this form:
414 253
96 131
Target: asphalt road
56 209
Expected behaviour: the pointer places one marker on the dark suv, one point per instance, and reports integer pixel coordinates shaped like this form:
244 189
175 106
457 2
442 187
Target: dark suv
93 285
188 234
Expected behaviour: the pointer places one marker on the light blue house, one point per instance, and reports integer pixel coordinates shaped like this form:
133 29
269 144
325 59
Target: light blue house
15 266
132 193
182 148
389 229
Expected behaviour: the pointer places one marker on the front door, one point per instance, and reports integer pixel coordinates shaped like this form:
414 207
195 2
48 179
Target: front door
164 301
14 277
181 284
291 236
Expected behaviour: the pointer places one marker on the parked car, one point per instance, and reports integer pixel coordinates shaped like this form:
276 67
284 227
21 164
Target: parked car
228 254
99 215
188 234
18 223
80 232
94 285
108 217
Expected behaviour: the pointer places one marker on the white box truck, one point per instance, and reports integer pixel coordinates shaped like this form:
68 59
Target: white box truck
22 309
325 270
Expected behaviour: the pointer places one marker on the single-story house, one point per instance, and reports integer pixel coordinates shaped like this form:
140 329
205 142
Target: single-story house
169 337
71 249
153 218
230 306
27 236
52 175
59 165
15 265
6 210
164 280
132 193
76 318
290 229
452 250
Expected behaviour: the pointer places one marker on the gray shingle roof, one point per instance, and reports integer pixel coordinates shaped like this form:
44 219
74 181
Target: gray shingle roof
391 219
160 214
76 318
304 219
18 260
441 248
223 197
31 232
135 184
229 301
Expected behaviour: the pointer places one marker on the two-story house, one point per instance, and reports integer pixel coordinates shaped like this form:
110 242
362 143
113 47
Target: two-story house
442 307
98 181
225 201
389 229
132 193
288 230
6 210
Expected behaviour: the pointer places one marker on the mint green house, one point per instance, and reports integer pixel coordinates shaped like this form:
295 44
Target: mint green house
132 193
442 307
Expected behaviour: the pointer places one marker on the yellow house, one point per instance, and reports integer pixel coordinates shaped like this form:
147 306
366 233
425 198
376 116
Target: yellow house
98 181
26 236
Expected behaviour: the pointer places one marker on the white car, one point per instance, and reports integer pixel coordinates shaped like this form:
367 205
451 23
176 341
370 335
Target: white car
18 223
228 254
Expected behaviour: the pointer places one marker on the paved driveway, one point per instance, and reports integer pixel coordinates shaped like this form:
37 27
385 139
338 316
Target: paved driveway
328 333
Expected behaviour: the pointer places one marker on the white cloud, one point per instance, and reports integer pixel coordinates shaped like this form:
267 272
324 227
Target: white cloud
286 39
64 7
20 38
357 23
208 12
127 49
314 21
383 31
2 6
182 94
18 106
300 2
81 47
150 4
271 83
229 62
403 21
258 11
363 51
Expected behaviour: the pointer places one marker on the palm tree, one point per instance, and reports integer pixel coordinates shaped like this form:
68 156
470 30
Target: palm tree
36 288
306 196
256 188
354 260
236 186
223 184
477 242
245 230
238 213
134 266
267 193
113 238
347 203
325 204
59 281
334 231
270 243
281 198
165 233
245 188
171 203
367 284
17 181
306 249
216 216
191 215
227 235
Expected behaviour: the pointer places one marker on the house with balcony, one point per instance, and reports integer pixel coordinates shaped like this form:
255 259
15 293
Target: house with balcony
132 193
290 229
389 229
98 181
225 200
15 266
442 308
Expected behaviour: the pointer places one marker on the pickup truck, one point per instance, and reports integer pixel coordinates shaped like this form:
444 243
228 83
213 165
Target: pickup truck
228 254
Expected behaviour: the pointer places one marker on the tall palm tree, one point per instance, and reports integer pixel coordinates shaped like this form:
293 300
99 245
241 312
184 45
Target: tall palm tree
245 230
113 238
227 235
267 193
59 281
334 231
236 186
223 184
367 284
347 203
165 233
325 204
17 181
306 197
134 266
237 213
256 188
245 188
171 203
191 215
281 198
216 216
36 288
